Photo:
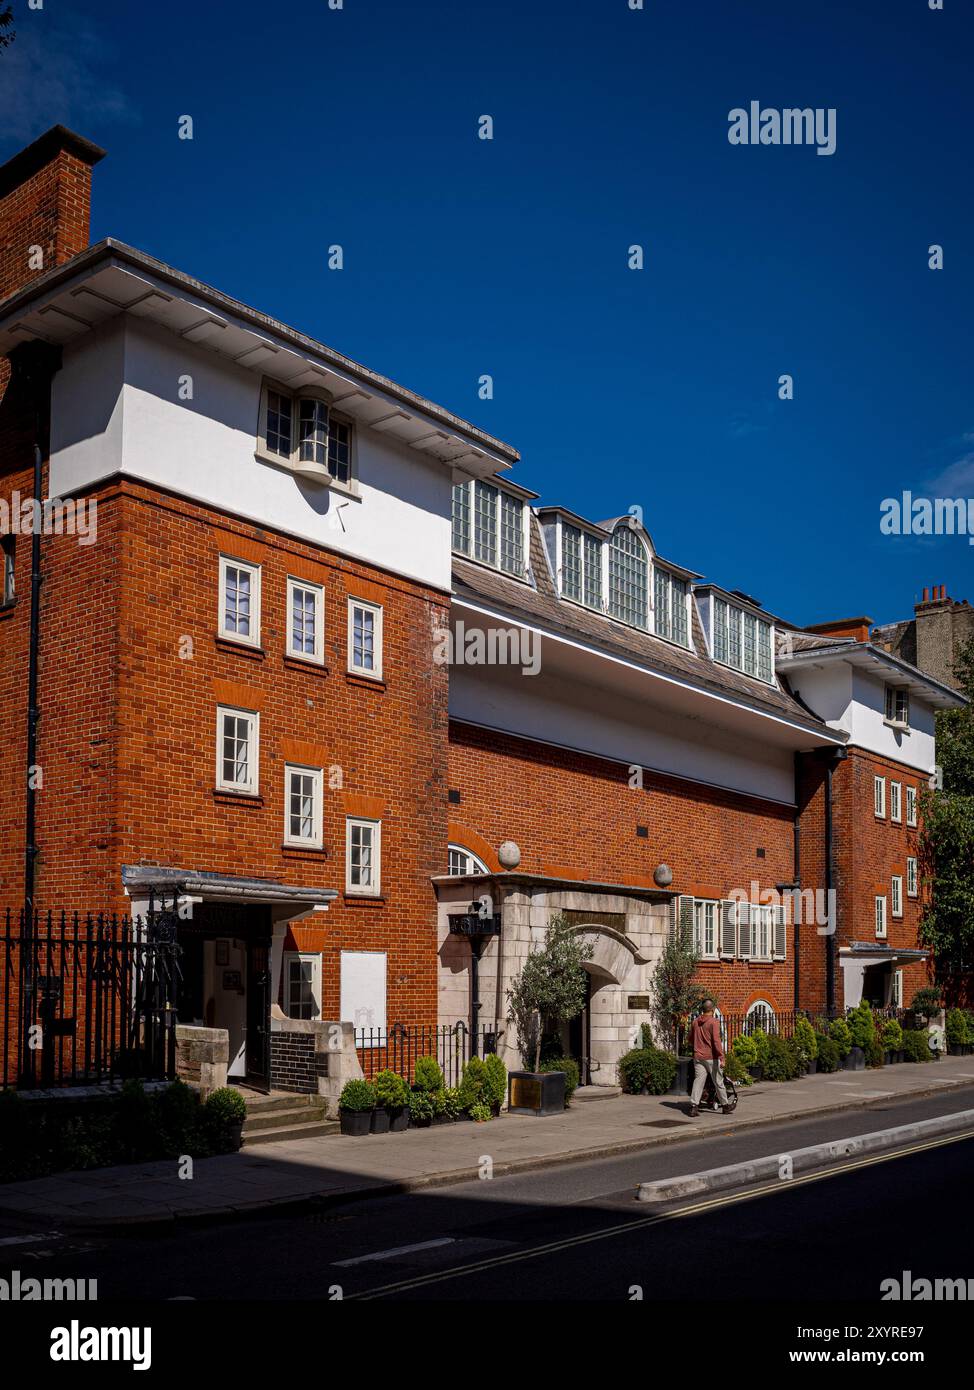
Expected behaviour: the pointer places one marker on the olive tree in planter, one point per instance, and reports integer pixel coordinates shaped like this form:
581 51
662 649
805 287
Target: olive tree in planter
551 988
806 1045
891 1041
675 996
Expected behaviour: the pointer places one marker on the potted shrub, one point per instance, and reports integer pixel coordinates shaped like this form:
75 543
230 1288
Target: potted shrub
421 1108
355 1106
916 1048
745 1052
495 1082
781 1062
471 1088
737 1071
806 1046
841 1035
874 1054
648 1071
452 1106
891 1041
862 1035
480 1113
570 1067
428 1074
956 1033
829 1059
391 1103
224 1113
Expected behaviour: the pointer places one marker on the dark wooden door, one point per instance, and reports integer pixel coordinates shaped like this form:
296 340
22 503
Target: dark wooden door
259 1013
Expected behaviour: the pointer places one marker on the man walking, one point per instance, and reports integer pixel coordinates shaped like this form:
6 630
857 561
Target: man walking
708 1058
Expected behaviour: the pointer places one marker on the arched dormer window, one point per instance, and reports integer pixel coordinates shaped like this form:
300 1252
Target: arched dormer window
628 577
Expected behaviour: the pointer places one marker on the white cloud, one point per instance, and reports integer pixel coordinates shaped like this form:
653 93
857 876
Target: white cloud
957 479
54 71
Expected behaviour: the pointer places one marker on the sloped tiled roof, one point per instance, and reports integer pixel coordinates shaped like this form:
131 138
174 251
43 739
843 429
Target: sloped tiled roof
541 604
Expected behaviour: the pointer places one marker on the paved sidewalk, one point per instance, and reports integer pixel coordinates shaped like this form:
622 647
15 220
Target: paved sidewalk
333 1167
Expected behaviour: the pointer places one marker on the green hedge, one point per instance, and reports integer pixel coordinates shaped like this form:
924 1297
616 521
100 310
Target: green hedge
570 1067
646 1068
40 1137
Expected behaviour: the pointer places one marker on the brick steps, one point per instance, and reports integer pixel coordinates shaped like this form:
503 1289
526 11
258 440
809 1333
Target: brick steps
311 1130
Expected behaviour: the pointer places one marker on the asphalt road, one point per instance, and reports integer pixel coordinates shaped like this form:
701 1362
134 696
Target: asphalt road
572 1233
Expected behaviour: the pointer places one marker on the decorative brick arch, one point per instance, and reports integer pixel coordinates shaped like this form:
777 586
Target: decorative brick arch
763 996
469 839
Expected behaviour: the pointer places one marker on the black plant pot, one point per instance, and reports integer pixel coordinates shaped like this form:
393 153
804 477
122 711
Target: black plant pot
355 1122
889 1058
756 1073
421 1122
900 1055
811 1067
380 1120
856 1060
443 1119
683 1081
399 1120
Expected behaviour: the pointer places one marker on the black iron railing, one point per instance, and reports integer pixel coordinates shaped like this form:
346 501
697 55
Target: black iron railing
85 999
398 1047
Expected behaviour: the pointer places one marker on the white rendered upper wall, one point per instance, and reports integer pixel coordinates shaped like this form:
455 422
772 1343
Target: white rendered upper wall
852 699
116 407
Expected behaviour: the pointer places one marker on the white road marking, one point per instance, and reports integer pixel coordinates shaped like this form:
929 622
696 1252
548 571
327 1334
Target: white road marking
399 1250
30 1240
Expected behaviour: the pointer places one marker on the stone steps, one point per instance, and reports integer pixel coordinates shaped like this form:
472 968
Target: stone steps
587 1093
284 1115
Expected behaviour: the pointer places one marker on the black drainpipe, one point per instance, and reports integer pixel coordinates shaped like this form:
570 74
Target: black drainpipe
797 857
30 816
836 756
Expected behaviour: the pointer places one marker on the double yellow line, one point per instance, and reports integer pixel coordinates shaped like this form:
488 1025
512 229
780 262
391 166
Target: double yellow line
693 1209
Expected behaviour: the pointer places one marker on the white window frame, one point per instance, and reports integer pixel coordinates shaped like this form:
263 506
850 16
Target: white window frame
897 999
314 958
316 839
253 638
8 580
893 693
768 1019
374 889
671 581
700 913
879 797
293 460
495 560
735 630
252 787
896 802
590 596
896 895
317 657
474 865
375 672
912 877
625 601
762 926
911 806
880 916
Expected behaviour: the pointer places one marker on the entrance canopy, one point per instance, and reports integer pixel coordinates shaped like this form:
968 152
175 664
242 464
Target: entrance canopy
143 880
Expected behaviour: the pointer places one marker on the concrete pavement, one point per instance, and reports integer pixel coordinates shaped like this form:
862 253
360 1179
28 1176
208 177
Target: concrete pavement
333 1168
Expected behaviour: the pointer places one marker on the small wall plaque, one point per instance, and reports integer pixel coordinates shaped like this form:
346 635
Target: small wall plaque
638 1001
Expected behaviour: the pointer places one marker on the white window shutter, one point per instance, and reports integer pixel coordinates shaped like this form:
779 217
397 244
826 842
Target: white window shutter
728 928
686 917
779 931
744 930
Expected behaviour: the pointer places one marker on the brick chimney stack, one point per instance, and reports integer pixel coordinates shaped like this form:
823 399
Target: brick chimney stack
45 206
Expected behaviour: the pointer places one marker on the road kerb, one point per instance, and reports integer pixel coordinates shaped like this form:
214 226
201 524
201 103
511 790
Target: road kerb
801 1160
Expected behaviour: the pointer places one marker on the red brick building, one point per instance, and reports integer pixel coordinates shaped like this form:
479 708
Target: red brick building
270 690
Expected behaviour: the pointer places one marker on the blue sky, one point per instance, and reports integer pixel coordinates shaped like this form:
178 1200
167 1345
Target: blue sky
508 257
